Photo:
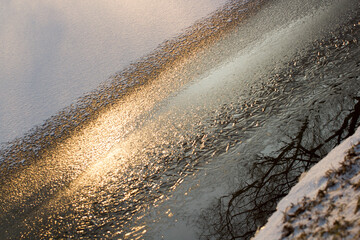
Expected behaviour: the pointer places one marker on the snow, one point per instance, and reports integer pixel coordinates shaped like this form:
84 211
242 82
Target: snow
52 52
308 187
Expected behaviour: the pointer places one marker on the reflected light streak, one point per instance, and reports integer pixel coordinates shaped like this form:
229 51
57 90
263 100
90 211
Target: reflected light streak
90 145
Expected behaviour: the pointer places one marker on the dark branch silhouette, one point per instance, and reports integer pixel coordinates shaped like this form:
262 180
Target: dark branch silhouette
240 214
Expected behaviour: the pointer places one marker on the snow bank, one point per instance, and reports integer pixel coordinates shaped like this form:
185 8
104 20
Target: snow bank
307 188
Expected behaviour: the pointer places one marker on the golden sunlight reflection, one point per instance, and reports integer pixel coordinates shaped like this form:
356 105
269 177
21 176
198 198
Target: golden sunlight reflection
107 150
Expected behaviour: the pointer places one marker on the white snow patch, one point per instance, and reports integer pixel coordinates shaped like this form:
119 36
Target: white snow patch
308 187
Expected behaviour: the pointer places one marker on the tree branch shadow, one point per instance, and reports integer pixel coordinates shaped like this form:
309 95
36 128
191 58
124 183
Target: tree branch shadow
240 214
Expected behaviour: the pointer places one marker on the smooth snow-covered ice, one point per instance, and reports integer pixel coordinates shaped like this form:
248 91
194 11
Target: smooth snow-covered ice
52 52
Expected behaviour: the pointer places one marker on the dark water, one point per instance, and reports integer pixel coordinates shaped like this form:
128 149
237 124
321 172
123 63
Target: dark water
149 153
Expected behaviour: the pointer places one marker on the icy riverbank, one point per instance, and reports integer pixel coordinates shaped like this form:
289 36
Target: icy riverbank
325 202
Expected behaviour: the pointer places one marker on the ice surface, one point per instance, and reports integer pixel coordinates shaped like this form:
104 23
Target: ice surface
155 156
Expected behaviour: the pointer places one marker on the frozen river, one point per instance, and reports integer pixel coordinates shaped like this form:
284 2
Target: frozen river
199 138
